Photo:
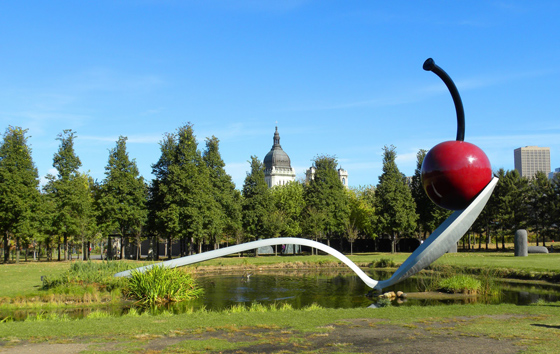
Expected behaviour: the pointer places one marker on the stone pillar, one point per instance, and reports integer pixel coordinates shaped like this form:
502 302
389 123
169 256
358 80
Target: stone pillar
520 242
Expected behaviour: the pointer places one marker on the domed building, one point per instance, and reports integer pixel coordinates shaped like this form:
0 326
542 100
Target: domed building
277 167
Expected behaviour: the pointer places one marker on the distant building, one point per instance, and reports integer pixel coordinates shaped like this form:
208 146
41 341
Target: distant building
277 167
552 174
531 159
342 175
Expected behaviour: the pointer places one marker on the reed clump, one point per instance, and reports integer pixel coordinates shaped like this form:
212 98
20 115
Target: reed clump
161 284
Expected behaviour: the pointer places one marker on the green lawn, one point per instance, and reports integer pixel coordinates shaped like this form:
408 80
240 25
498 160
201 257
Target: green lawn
533 263
25 278
535 327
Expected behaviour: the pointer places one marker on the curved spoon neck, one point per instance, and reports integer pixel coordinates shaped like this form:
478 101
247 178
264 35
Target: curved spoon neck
430 65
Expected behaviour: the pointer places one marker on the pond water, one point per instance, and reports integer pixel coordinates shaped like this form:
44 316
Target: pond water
340 289
328 288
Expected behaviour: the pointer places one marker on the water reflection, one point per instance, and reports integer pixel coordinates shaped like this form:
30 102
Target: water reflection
340 289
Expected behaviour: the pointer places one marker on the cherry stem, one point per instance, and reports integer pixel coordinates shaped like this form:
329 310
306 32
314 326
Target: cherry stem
430 65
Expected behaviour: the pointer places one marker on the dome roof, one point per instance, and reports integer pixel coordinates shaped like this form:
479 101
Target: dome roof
276 156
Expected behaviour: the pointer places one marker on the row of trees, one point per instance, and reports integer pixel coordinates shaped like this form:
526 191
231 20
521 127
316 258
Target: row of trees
193 201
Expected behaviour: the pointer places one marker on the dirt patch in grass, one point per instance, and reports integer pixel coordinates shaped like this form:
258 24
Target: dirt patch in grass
352 336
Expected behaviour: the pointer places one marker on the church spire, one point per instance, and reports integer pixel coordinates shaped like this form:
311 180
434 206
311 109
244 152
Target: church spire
276 139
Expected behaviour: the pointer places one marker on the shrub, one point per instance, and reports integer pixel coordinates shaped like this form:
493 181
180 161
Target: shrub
161 284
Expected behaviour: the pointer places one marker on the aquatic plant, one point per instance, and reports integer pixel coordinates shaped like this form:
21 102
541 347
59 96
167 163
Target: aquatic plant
161 284
460 283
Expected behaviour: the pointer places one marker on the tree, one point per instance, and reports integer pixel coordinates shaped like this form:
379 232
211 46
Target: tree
160 215
430 216
511 192
18 188
362 218
226 218
325 194
70 204
257 201
46 228
123 197
190 186
313 222
288 200
540 199
394 206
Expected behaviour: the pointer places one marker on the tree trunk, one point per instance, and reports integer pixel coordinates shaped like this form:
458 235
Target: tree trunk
17 249
65 247
156 247
6 248
122 246
109 248
59 251
169 247
191 246
138 247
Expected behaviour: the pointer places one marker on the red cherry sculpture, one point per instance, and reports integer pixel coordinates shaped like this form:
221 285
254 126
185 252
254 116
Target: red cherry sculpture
454 172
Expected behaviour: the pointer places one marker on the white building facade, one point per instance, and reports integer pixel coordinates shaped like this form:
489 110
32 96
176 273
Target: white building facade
342 175
278 170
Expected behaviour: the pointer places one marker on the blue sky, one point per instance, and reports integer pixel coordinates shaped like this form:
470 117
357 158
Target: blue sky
341 78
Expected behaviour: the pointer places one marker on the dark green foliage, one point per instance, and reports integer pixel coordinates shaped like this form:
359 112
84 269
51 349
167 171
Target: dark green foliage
225 221
182 200
71 193
541 205
430 216
326 195
161 284
510 203
159 215
189 191
19 196
394 205
288 204
122 197
257 201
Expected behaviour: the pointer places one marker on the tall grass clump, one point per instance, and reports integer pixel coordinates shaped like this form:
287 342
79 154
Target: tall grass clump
99 274
161 284
461 283
384 263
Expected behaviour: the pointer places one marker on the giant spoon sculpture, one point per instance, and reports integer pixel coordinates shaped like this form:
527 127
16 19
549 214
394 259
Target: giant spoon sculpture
456 175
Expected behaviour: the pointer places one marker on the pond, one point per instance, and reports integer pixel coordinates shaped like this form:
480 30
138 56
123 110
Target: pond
339 288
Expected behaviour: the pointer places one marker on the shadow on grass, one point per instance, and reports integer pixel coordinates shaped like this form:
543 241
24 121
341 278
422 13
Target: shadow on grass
545 326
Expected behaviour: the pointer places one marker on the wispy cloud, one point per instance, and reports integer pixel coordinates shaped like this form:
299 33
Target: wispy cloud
408 96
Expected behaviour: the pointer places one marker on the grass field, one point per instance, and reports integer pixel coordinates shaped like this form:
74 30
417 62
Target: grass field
530 329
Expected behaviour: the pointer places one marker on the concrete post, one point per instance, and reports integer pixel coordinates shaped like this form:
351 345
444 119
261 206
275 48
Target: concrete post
520 243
